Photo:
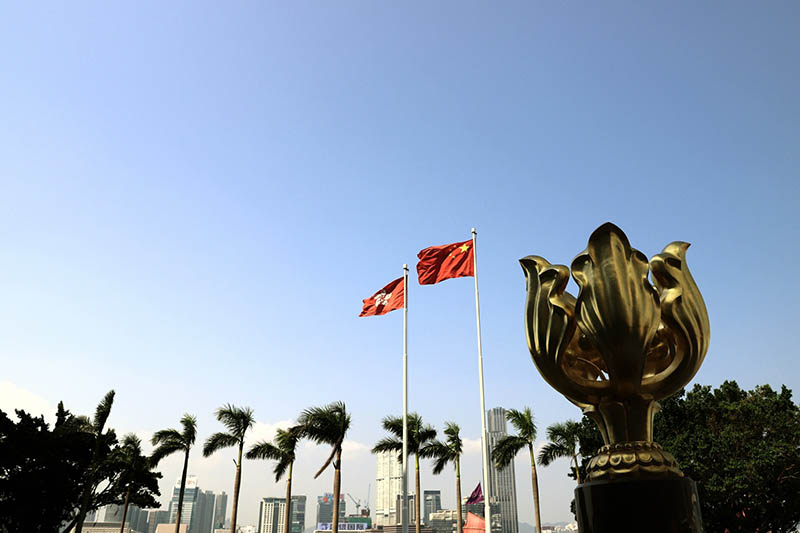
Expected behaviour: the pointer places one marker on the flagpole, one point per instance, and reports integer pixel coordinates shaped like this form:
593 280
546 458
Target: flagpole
487 513
404 506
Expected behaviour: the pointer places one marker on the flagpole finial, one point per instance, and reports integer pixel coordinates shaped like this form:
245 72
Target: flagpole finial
405 266
474 232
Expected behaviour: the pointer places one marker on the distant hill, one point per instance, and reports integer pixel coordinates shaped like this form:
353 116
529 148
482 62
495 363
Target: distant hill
525 527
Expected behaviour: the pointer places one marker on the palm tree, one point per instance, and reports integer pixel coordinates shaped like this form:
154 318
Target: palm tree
95 427
328 425
507 448
169 441
238 420
137 471
446 452
283 453
564 439
419 436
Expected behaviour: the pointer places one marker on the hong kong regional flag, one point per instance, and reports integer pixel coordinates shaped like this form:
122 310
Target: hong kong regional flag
387 299
439 263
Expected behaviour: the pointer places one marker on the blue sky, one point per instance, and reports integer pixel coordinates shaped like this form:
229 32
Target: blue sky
195 198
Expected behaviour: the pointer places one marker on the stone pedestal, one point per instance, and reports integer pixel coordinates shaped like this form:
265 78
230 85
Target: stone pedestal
638 506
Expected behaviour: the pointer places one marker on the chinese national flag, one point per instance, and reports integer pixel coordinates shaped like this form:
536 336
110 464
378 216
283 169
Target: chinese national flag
439 263
387 299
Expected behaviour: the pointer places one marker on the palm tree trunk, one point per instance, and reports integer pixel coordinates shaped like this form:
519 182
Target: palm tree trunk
577 471
458 493
287 518
87 493
236 484
535 483
180 493
337 486
125 510
416 498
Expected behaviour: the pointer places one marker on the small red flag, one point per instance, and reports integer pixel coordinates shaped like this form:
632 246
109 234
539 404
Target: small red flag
439 263
387 299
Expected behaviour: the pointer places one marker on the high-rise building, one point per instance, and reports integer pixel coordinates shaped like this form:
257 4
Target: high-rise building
136 518
432 502
198 506
220 508
154 518
388 485
298 514
502 482
271 513
412 509
203 519
190 496
325 508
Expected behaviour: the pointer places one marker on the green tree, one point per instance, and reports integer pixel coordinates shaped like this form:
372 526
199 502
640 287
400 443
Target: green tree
137 480
237 420
743 450
564 442
39 464
507 448
444 453
97 472
283 452
169 441
419 436
328 425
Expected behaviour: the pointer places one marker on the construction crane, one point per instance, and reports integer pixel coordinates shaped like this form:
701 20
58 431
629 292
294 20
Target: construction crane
357 502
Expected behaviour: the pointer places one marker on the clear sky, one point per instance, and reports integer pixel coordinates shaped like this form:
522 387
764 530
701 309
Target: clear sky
196 196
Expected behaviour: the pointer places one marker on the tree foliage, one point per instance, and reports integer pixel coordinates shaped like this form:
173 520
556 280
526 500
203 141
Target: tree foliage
743 450
39 464
45 473
741 447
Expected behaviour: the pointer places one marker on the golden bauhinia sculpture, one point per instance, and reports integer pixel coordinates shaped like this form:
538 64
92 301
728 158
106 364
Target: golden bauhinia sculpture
621 345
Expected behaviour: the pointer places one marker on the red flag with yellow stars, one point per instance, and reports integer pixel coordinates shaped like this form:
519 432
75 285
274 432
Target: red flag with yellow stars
387 299
439 263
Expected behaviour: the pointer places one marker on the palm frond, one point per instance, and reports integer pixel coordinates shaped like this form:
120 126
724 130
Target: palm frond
523 421
237 419
424 435
394 424
163 450
133 443
103 411
280 468
506 449
219 441
552 451
325 425
327 461
189 433
166 435
388 444
264 450
441 453
454 441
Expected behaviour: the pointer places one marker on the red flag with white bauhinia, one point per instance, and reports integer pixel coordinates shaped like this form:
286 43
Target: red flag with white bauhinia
439 263
389 298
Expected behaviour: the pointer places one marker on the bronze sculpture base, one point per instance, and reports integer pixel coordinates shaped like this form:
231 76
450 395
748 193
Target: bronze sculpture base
667 505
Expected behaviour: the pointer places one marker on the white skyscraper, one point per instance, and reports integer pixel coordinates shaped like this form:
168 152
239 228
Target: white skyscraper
271 514
502 482
388 486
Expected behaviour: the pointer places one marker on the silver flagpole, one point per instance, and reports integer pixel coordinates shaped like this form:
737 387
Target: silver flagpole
487 513
404 510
